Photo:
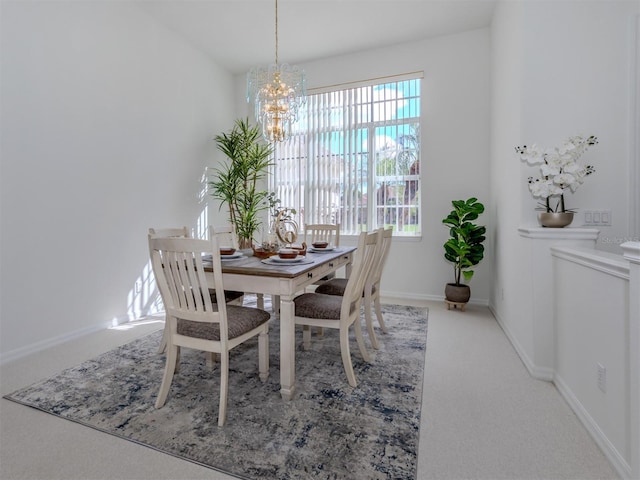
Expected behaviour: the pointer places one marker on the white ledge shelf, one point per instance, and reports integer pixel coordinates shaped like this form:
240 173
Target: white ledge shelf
605 262
566 233
631 251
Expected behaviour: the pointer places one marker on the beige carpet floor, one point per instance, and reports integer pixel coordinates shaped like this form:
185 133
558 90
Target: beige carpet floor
483 416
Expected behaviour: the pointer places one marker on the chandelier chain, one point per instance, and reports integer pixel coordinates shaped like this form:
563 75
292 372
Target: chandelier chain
276 32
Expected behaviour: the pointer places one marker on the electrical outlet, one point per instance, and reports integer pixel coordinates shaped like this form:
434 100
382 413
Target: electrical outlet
138 287
602 378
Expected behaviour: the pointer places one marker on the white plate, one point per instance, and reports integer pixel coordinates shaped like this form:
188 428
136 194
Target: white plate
235 256
320 250
277 259
231 257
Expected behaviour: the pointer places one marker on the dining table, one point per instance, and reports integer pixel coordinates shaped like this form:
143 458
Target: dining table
284 280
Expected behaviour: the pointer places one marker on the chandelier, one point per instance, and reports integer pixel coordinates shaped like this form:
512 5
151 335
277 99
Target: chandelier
278 92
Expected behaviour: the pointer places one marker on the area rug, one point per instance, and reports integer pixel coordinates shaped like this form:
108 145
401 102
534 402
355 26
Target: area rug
328 431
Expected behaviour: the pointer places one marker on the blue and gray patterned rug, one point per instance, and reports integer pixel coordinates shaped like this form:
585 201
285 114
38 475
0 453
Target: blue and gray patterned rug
329 431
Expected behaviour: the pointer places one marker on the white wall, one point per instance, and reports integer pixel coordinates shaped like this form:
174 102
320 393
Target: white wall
455 129
511 292
580 61
574 65
107 124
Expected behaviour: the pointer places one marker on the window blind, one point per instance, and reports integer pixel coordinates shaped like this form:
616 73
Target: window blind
354 157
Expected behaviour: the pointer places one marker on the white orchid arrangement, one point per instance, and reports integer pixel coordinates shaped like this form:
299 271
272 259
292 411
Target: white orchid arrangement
559 169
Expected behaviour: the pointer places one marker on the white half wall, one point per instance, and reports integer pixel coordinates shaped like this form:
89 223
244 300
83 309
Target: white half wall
596 367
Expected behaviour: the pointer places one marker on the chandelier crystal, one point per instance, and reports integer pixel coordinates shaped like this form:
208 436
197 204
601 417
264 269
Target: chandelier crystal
278 92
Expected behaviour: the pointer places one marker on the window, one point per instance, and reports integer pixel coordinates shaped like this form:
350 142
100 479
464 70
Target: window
354 158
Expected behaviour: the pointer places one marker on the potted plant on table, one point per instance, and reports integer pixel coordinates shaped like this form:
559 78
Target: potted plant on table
464 249
238 181
559 169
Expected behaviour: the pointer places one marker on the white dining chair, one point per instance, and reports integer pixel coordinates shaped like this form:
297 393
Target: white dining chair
322 232
341 312
195 321
371 293
184 232
226 235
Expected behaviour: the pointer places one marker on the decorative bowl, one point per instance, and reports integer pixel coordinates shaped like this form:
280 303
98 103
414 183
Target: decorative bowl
555 219
227 250
287 253
261 253
320 244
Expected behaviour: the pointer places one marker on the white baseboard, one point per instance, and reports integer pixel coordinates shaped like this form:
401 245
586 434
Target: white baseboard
387 297
540 373
402 298
609 450
50 342
549 374
529 365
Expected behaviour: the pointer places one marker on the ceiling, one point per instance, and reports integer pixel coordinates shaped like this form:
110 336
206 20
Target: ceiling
240 34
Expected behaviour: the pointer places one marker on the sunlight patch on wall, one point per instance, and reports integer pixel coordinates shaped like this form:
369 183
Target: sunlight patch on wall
144 298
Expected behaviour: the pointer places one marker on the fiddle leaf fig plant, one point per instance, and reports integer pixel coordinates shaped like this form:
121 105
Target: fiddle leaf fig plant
238 180
464 249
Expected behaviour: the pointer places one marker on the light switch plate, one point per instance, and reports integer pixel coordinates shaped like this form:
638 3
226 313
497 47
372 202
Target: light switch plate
601 218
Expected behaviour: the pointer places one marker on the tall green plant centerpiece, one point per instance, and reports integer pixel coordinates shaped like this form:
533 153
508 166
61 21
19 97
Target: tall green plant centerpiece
464 249
238 180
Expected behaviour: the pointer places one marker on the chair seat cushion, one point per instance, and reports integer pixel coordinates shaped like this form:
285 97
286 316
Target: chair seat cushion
318 305
240 321
335 286
229 295
328 277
